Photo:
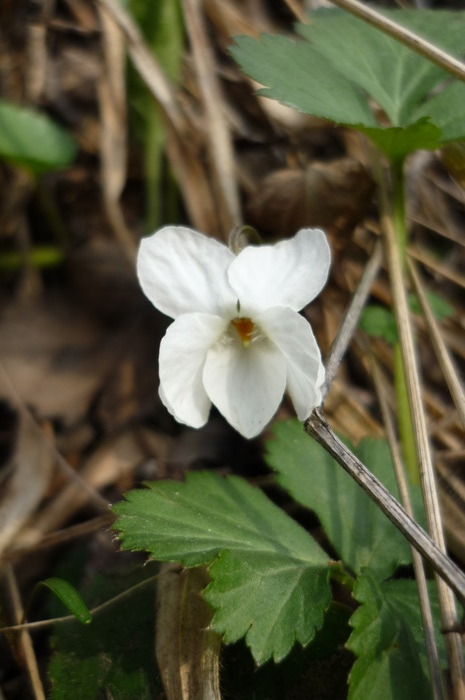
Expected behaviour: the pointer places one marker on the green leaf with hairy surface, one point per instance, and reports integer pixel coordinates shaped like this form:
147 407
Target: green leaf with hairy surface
390 72
272 600
388 640
260 557
32 140
359 532
69 596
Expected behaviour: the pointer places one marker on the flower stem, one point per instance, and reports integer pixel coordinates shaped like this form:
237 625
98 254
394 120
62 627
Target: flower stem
405 423
404 418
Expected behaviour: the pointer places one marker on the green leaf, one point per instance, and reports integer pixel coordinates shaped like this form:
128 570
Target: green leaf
270 578
397 142
30 139
298 76
447 110
345 62
394 75
439 306
272 600
114 656
388 640
360 533
69 596
379 322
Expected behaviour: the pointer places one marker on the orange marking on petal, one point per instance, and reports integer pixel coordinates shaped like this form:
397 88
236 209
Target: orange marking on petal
245 328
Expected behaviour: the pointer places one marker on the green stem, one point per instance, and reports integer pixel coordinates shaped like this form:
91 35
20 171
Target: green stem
338 573
404 417
398 206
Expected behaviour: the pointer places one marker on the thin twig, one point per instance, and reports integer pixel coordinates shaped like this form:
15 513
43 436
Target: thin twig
317 427
218 136
26 649
405 36
420 576
351 318
425 463
442 354
149 69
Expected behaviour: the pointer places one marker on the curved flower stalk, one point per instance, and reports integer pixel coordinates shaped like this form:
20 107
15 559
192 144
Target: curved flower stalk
237 339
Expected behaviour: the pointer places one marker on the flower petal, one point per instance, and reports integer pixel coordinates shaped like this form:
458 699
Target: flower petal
182 271
305 371
290 273
245 384
182 356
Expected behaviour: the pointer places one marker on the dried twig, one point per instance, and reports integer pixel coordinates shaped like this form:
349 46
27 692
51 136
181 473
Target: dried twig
317 427
425 463
218 136
418 566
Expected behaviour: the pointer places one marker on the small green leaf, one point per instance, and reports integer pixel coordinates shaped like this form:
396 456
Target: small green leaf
30 139
388 640
379 322
69 596
360 533
439 306
270 578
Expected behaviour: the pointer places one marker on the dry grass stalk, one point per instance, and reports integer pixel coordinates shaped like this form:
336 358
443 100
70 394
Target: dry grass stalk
425 463
418 565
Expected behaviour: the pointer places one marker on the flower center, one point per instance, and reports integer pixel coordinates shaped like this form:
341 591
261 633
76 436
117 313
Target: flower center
245 329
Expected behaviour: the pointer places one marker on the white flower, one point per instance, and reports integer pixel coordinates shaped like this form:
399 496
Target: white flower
237 340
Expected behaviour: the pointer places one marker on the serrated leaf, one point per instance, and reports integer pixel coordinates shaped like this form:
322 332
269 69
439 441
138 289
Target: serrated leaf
379 322
272 600
69 596
359 532
388 640
394 75
30 139
312 77
299 77
260 550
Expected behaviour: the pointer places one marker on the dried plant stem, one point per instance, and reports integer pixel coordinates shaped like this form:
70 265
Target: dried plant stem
219 140
26 649
317 427
405 36
420 576
351 318
442 354
425 465
149 69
